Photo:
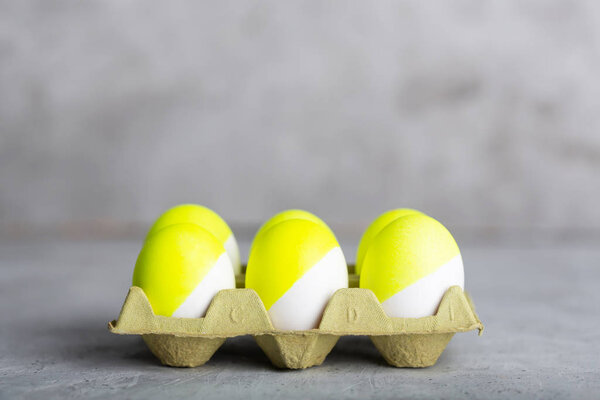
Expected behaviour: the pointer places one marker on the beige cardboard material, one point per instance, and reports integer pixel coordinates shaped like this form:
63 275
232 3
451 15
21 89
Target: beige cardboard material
403 342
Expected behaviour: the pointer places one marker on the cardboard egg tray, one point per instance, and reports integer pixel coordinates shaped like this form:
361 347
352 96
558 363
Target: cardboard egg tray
403 342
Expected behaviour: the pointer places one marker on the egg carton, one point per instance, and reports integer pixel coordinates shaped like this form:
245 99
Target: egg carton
191 342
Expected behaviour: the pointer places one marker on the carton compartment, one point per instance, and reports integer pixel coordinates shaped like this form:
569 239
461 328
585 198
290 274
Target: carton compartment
191 342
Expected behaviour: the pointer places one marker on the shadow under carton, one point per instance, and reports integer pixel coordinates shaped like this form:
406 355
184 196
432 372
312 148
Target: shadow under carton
403 342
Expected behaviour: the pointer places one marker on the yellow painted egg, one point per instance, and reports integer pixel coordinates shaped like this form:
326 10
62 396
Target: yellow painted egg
295 266
180 268
410 264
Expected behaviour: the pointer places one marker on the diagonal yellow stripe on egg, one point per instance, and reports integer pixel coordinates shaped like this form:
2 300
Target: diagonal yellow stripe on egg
173 261
405 251
283 253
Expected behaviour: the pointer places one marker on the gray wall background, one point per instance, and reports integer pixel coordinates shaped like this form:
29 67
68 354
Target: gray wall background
484 114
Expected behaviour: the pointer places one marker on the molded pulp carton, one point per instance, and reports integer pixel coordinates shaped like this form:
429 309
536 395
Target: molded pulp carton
403 342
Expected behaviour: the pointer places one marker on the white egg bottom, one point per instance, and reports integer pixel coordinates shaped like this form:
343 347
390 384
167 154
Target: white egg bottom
302 306
423 297
231 247
219 277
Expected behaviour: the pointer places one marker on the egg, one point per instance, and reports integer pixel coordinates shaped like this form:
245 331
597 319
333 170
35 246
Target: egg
374 228
180 269
205 218
410 264
295 266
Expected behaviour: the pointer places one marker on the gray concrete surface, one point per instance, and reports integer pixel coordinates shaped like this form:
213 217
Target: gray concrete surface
482 113
540 307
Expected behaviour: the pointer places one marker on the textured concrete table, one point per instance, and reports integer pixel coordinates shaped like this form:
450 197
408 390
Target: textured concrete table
540 307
